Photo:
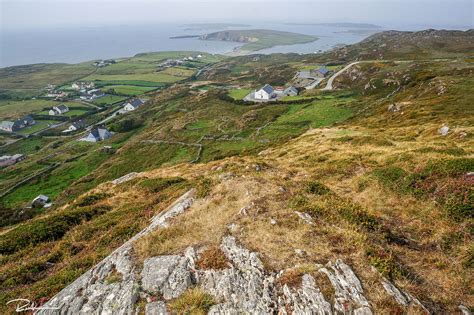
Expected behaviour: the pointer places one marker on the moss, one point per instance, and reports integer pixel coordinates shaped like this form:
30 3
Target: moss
193 302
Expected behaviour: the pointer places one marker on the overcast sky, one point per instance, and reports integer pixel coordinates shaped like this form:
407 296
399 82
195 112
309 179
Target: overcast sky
25 14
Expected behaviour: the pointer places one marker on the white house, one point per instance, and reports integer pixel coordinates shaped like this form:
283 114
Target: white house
6 160
133 104
97 134
80 124
58 110
40 201
265 93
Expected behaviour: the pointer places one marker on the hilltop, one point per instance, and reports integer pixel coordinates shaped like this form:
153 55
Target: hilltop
356 199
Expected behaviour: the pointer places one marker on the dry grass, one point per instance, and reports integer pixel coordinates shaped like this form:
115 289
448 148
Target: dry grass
212 258
193 302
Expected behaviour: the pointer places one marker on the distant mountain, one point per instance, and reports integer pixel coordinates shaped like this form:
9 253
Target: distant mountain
351 25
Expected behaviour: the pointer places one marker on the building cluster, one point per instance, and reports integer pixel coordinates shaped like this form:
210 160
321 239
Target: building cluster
88 91
104 63
269 93
52 92
177 62
17 125
309 79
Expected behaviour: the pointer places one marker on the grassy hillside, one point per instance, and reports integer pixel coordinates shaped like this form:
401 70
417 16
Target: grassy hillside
386 191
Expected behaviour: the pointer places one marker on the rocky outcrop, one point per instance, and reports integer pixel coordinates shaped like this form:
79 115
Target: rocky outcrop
116 284
306 300
349 293
96 292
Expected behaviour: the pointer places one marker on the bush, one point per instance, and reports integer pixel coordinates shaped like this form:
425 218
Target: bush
317 188
126 125
47 229
91 199
212 258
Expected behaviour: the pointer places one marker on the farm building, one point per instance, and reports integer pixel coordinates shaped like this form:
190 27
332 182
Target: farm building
40 201
58 110
290 91
133 104
321 72
265 93
80 124
97 134
12 126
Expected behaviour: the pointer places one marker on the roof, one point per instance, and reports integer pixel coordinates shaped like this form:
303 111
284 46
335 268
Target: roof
27 118
100 133
136 102
79 124
7 124
268 88
62 107
323 70
42 198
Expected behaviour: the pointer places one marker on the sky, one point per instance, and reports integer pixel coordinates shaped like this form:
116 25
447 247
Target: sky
38 14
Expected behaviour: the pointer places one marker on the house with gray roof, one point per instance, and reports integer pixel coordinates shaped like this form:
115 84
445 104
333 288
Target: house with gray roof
133 104
290 91
267 92
13 126
58 110
97 134
321 72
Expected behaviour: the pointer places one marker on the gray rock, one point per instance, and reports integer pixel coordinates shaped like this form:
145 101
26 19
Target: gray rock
403 298
156 308
443 130
464 310
169 276
244 288
348 289
306 300
91 293
305 217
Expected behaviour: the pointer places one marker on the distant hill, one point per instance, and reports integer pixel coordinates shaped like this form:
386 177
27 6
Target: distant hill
351 25
259 39
411 45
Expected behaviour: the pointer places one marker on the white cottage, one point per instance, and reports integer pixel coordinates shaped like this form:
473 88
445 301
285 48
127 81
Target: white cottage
265 93
133 104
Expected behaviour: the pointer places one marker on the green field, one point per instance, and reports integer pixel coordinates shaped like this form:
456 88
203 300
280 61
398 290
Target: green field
238 94
129 90
72 112
40 125
109 99
16 109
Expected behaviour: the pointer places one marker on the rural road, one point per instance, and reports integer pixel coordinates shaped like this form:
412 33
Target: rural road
328 86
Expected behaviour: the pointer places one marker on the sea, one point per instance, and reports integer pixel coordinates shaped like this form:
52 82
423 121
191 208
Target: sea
79 44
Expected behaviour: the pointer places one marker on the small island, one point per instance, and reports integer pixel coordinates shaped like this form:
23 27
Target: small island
259 39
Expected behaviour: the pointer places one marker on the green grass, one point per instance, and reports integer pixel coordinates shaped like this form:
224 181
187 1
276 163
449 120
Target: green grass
238 94
128 90
40 125
56 182
158 77
16 109
109 99
300 117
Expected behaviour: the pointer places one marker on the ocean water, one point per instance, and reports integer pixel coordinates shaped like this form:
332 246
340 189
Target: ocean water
73 45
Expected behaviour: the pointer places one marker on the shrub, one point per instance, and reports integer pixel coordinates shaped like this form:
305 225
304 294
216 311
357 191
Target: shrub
127 124
194 301
317 188
91 199
204 187
212 258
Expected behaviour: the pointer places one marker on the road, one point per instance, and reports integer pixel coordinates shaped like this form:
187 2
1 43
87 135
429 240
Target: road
329 86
